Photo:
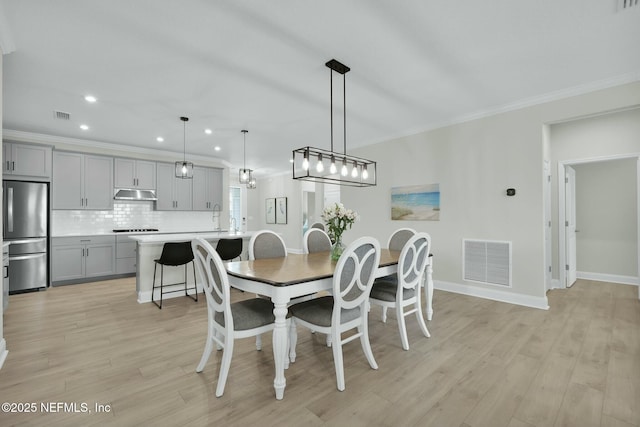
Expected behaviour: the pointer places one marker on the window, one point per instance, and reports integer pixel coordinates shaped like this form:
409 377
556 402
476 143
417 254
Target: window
235 208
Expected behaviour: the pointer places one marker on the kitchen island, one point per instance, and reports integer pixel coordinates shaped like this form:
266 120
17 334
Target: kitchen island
149 248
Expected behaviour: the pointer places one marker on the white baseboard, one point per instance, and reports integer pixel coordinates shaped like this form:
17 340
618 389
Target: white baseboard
3 351
613 278
493 294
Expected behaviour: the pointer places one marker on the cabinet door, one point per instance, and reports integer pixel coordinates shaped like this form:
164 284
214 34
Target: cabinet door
200 189
164 185
6 158
125 173
100 260
98 178
215 188
183 193
67 263
145 175
31 160
68 183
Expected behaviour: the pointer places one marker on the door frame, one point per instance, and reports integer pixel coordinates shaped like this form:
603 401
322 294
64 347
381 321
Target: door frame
562 212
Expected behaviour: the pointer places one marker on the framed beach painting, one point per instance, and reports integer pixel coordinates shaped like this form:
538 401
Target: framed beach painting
270 210
281 210
416 203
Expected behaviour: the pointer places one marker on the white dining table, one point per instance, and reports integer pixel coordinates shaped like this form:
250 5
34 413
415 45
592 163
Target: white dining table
285 278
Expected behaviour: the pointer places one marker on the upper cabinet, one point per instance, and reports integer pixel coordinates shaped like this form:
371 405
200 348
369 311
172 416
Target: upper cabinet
82 181
207 188
26 160
174 194
138 174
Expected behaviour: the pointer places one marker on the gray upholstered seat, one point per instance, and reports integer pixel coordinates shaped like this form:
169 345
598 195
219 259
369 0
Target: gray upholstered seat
316 240
388 291
266 244
226 321
352 281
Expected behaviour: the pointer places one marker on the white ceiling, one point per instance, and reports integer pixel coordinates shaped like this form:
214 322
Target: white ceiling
259 65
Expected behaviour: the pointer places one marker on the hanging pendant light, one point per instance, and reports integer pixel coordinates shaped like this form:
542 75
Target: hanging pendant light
184 169
245 176
363 171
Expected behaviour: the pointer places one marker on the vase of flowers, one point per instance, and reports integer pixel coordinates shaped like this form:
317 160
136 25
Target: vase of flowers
338 219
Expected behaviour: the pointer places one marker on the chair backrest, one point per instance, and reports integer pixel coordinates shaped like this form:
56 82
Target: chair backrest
318 225
354 275
266 244
215 282
229 248
399 237
176 253
316 240
413 260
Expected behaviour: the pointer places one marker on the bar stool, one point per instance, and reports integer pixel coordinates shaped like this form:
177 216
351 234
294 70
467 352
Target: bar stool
229 249
174 254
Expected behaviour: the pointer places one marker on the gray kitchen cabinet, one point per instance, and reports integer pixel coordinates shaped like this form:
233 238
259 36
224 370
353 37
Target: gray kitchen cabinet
82 181
131 173
207 188
77 258
174 194
26 161
125 255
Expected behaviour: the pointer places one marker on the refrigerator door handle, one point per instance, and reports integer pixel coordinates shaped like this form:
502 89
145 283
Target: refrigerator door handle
10 209
30 256
17 242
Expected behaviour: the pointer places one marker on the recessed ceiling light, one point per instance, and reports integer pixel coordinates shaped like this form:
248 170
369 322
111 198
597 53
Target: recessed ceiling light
160 139
217 148
90 98
84 127
208 131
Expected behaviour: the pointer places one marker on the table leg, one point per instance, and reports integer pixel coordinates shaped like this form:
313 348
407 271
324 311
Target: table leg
280 340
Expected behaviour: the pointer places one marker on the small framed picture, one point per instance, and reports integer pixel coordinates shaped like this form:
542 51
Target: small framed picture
270 210
281 210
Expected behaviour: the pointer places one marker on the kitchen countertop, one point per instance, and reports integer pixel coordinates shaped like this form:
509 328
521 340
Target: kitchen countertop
136 233
158 237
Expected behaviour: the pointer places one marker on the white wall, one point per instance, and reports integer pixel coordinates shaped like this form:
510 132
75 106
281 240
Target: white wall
606 217
474 163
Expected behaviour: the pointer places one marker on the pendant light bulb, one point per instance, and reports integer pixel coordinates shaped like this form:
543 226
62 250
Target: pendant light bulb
319 165
344 171
354 171
365 174
305 161
333 168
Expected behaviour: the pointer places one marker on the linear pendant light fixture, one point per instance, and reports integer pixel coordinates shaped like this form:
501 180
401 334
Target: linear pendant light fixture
245 176
318 165
184 169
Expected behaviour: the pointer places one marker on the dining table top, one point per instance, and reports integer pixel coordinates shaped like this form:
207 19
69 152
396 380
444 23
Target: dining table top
296 268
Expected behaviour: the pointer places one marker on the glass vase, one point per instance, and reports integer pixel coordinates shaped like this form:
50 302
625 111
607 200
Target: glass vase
337 248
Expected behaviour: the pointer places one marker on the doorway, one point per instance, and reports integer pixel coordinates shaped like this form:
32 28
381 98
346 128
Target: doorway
610 208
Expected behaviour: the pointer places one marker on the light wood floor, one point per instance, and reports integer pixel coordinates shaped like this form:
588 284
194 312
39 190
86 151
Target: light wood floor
486 364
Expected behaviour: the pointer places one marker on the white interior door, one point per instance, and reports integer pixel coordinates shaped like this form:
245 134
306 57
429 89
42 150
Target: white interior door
570 225
547 224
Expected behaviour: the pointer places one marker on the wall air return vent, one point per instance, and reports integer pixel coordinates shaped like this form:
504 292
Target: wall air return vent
61 115
487 262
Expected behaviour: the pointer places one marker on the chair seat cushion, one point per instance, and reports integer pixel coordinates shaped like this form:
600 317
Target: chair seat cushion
387 291
249 314
318 311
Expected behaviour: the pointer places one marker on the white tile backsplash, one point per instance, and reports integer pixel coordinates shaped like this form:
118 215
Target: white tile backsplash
128 215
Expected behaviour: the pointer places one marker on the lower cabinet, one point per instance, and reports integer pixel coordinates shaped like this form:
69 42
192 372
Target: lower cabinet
74 258
125 255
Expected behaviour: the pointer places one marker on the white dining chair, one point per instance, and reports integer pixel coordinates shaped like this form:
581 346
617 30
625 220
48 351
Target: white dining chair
266 244
405 290
346 309
226 321
396 242
315 240
318 225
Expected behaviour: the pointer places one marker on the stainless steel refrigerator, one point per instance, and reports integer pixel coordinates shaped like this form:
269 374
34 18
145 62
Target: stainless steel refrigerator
26 226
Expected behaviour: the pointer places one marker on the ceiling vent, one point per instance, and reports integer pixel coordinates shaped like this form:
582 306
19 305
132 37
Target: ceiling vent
628 4
61 115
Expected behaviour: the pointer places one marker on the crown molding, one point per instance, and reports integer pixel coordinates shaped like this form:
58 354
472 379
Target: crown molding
40 138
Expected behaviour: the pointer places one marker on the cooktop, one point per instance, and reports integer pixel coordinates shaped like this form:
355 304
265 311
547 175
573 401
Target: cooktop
133 230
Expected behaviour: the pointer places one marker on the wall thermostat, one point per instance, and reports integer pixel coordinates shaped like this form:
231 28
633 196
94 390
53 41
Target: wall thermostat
511 191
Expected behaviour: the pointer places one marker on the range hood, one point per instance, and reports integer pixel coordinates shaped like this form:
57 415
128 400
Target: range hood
133 194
